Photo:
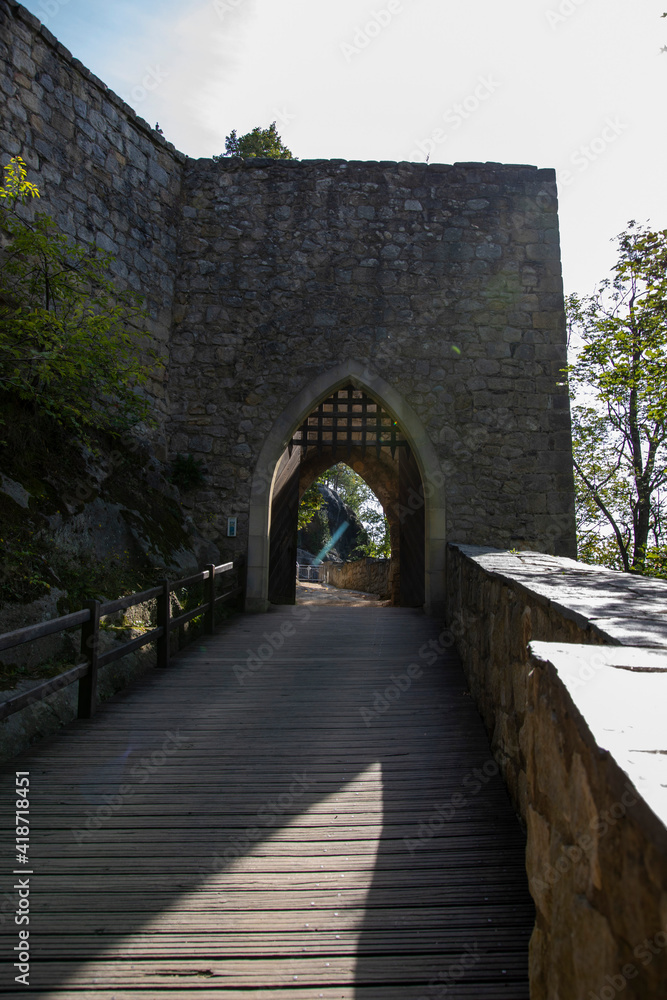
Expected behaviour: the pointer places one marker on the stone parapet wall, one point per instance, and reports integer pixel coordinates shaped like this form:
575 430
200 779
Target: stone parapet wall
493 617
595 739
106 177
571 720
373 576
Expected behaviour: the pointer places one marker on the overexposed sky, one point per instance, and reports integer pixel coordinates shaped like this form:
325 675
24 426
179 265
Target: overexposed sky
579 85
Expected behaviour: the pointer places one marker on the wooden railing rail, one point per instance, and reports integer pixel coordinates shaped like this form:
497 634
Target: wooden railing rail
10 639
89 619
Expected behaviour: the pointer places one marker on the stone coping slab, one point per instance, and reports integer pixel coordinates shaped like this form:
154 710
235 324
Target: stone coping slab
621 694
624 609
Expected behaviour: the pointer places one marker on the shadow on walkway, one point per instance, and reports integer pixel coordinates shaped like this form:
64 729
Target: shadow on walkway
287 811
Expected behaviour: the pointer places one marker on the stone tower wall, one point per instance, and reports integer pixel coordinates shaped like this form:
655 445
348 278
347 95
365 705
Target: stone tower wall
103 173
443 280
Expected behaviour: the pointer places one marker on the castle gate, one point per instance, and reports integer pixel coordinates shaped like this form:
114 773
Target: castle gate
352 426
433 289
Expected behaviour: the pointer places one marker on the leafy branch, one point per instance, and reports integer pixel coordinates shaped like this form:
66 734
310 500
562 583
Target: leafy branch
71 344
620 443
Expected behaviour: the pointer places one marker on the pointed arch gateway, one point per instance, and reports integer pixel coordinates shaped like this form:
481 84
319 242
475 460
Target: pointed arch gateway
425 460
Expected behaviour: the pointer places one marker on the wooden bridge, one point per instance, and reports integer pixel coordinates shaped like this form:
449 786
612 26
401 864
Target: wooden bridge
303 805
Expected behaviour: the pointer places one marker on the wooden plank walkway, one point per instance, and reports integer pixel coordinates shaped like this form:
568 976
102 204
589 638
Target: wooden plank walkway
260 834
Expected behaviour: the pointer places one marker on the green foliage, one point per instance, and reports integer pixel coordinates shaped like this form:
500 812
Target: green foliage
187 472
311 502
25 573
379 543
264 142
353 491
116 577
350 487
620 428
317 532
70 342
16 186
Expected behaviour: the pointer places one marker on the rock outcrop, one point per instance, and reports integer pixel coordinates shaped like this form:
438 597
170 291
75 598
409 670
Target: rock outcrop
329 520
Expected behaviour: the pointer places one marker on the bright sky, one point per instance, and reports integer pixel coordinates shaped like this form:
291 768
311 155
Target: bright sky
579 85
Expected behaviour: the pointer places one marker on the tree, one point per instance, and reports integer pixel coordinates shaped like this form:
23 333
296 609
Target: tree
620 422
353 491
260 142
71 344
377 527
311 502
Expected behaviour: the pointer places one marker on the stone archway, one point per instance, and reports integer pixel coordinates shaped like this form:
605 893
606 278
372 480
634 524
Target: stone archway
425 460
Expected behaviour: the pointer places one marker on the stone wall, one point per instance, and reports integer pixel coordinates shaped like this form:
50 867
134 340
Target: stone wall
597 841
576 722
372 576
106 177
444 281
493 617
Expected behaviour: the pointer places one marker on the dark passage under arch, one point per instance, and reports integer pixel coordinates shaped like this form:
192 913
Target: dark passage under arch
352 427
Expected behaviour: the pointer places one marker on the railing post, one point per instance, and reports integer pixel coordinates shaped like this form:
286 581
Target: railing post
210 614
90 638
163 622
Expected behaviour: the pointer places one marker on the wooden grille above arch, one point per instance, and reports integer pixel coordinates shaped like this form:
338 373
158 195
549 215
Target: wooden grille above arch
349 419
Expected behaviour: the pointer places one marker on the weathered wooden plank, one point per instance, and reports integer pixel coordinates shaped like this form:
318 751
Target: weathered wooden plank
463 991
201 910
30 632
255 943
149 902
42 691
346 857
130 646
125 603
301 972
